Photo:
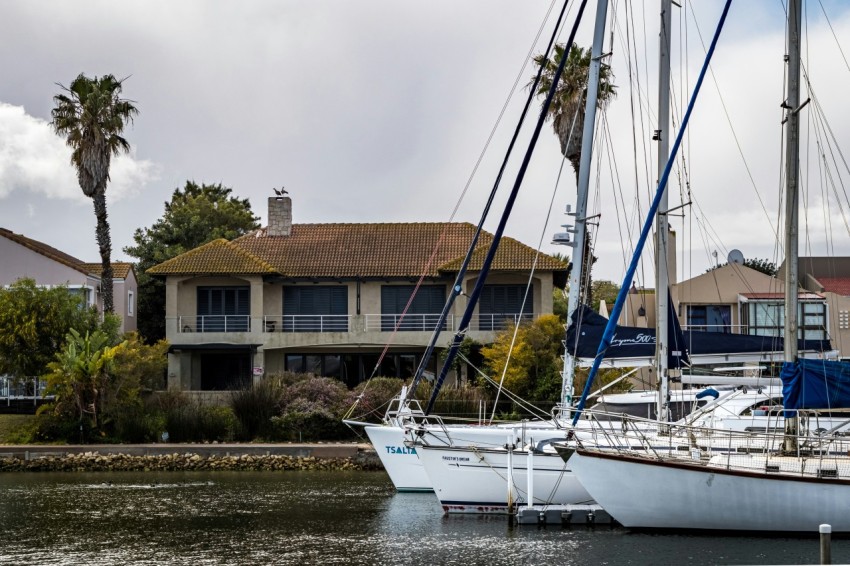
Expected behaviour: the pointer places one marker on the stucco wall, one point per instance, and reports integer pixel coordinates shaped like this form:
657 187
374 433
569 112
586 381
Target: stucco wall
17 262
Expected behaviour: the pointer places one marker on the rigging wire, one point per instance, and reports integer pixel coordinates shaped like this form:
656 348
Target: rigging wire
437 246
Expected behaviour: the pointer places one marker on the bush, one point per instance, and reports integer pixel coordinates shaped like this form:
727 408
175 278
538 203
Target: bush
312 409
310 426
50 426
189 420
463 402
137 424
373 396
255 406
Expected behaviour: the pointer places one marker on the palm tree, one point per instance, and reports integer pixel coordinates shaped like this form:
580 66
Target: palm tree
91 116
567 114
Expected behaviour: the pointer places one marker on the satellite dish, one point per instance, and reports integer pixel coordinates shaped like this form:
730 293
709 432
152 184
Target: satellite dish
736 257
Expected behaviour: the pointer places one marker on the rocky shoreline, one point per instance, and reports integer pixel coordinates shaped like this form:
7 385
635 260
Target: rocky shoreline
92 461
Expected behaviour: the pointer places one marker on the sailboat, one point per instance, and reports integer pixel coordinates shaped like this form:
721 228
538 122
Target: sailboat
486 470
761 482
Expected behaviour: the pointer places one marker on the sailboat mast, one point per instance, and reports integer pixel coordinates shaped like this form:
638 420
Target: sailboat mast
792 174
792 198
662 278
577 272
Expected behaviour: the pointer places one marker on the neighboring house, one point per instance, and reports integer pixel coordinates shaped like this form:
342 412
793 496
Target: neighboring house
736 299
22 257
334 299
830 278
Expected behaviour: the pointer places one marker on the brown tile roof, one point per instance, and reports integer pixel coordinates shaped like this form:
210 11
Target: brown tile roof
45 250
512 255
356 250
218 256
837 285
120 269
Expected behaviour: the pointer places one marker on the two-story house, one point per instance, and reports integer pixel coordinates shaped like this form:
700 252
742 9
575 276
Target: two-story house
341 300
23 257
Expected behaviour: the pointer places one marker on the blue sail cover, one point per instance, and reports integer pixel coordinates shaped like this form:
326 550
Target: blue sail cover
633 342
816 384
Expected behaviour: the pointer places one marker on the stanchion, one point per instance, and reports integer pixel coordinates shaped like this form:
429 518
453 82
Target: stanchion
825 544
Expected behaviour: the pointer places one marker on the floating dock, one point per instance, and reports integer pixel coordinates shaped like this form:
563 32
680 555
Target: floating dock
564 515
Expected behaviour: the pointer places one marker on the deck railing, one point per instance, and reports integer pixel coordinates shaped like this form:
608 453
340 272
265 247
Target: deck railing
307 323
215 323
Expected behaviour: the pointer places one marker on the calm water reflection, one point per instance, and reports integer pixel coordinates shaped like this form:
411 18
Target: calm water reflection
314 517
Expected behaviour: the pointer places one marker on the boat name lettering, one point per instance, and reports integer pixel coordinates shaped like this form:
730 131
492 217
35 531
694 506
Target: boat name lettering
400 450
455 459
639 339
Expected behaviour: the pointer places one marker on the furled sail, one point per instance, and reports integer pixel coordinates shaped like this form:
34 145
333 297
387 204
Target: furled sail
635 343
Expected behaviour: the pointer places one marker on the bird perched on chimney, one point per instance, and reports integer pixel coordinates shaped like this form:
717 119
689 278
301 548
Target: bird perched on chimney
284 191
277 192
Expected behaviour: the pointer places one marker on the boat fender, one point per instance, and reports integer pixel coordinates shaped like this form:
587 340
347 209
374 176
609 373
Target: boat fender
709 392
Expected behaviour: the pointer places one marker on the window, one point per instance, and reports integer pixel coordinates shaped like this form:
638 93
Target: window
813 321
131 307
224 309
319 308
354 368
710 318
501 303
85 293
764 318
423 312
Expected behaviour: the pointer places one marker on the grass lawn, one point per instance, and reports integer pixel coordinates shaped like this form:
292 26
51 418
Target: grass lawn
11 424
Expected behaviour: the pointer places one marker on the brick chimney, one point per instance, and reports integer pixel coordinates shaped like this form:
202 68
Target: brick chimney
280 216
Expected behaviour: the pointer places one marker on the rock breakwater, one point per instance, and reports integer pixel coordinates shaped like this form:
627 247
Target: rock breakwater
97 462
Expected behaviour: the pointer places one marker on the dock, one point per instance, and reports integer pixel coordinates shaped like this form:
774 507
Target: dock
564 515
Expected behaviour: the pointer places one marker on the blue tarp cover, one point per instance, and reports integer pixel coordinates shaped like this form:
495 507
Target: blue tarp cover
816 384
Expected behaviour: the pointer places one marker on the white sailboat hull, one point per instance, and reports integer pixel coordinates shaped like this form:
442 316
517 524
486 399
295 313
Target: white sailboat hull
476 481
673 493
401 462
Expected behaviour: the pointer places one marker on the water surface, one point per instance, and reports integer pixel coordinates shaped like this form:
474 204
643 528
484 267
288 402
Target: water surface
316 518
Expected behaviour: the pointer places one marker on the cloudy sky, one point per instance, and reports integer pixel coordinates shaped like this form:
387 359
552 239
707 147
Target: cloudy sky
377 111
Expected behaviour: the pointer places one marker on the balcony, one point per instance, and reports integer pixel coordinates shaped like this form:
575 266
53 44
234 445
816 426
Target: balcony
307 323
323 323
214 323
494 322
406 323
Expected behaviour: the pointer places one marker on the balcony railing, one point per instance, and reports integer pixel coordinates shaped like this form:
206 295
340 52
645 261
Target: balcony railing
406 323
307 323
215 323
345 323
498 321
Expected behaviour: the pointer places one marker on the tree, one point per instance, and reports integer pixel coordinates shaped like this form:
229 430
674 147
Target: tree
79 375
605 291
567 114
197 214
534 371
91 116
765 266
34 322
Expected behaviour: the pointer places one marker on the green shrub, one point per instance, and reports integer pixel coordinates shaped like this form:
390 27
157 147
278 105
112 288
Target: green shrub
311 409
51 426
464 402
140 424
373 396
310 426
217 423
188 420
254 406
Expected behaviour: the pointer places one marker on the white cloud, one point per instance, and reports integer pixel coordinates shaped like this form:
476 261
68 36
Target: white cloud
33 159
